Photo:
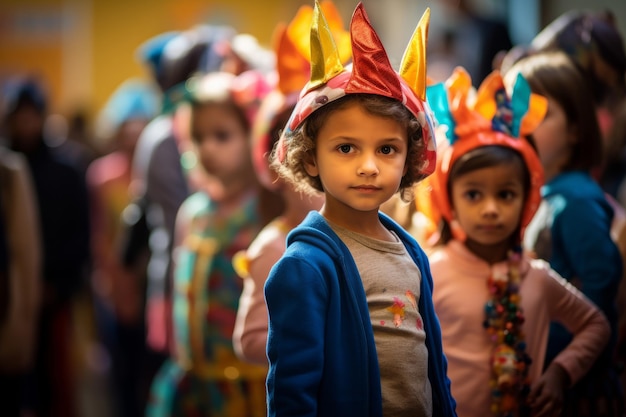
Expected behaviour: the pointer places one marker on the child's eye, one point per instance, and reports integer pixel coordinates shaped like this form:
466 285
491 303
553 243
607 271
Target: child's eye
345 148
507 194
386 149
472 195
222 135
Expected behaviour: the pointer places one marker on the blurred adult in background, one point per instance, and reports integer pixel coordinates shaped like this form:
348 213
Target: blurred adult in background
118 291
61 194
79 130
20 278
68 139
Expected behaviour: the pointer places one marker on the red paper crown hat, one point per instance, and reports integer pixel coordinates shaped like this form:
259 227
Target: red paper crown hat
370 73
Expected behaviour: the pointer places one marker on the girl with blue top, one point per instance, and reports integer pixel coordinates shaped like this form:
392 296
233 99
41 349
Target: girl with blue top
571 229
352 328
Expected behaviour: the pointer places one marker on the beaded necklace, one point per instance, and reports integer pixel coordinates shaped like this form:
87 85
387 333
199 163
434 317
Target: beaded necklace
504 317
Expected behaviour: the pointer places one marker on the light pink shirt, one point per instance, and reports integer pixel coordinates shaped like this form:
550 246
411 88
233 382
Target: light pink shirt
250 333
460 294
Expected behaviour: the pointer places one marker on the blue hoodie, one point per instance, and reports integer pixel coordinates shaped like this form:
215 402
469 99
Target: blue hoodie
321 349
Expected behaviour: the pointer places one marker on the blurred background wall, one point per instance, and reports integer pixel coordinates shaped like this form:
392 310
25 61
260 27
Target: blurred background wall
83 49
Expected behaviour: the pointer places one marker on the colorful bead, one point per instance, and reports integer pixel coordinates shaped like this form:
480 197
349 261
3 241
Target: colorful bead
503 320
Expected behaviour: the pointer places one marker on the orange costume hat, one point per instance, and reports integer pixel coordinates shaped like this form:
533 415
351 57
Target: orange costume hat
370 73
490 117
292 49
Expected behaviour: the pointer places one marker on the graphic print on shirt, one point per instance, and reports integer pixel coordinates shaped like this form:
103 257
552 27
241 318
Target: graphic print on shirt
398 310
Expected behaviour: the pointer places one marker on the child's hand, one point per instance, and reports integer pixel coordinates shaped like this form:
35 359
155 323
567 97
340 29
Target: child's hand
546 395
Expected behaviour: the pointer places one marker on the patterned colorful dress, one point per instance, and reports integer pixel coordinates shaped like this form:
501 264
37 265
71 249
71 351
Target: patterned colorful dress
204 376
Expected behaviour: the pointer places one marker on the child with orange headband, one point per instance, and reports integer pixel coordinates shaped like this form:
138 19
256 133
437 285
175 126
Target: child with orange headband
352 329
494 303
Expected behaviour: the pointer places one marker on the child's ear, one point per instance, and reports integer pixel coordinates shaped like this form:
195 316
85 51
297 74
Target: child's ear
310 165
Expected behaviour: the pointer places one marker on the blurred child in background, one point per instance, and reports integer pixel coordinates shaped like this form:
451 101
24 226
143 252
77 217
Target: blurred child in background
572 228
204 376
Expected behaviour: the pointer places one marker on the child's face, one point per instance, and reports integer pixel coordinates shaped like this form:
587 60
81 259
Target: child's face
554 139
488 204
221 141
360 159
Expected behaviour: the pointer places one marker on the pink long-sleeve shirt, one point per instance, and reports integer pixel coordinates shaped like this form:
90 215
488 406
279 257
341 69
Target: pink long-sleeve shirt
460 294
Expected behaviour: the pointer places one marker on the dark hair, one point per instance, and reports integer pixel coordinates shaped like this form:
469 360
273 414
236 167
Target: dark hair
277 124
272 203
301 142
587 37
479 158
23 91
554 75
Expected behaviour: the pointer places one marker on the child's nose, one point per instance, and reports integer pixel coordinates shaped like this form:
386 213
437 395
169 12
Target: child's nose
209 144
490 206
368 165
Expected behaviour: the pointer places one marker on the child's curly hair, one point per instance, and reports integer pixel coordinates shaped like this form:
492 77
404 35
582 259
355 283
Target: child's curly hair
300 143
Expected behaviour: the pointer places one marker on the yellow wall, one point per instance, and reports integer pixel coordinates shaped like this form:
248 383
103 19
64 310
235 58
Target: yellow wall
120 26
36 51
84 49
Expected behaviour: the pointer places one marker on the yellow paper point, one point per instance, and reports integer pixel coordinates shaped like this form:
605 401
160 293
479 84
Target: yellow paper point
340 34
325 61
413 65
299 30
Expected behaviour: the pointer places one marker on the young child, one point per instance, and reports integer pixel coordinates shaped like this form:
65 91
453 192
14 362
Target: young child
204 376
254 264
493 301
352 329
572 229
